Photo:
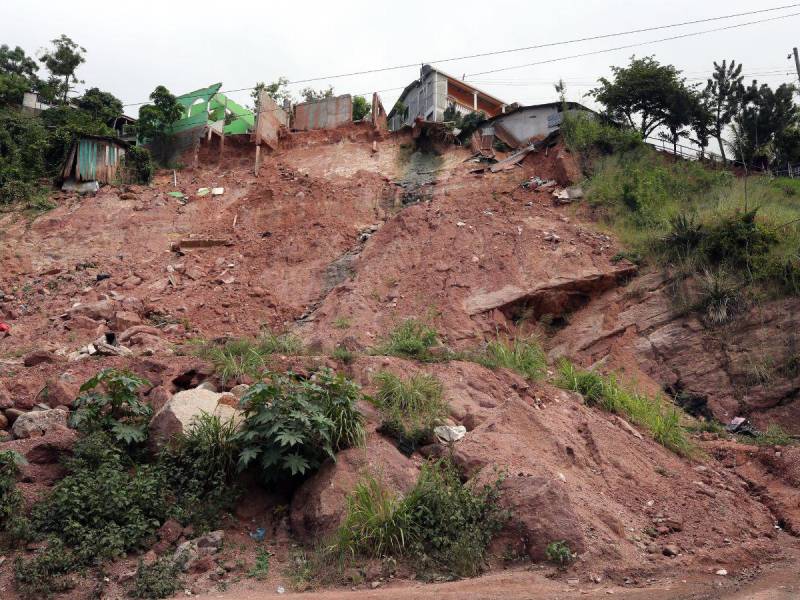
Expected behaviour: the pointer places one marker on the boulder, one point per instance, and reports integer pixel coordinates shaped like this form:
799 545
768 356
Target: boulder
61 391
319 504
541 513
178 414
5 398
39 422
193 551
125 319
102 310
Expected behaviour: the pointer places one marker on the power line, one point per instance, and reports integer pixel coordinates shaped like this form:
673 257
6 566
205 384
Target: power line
634 45
534 47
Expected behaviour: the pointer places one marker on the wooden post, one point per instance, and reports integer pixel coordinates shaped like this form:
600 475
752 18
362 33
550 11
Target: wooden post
258 160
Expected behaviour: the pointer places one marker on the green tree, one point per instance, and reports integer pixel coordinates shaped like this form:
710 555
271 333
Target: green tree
361 108
724 91
63 60
17 75
277 90
762 125
310 94
155 119
679 105
702 121
640 94
103 106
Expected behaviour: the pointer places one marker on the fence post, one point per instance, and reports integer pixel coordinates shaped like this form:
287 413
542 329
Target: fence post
789 168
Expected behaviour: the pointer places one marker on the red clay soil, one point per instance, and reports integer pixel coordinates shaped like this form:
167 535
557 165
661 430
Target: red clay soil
322 243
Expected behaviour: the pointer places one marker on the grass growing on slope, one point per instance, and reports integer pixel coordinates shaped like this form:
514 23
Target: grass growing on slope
239 358
660 420
524 356
411 339
700 221
411 407
442 525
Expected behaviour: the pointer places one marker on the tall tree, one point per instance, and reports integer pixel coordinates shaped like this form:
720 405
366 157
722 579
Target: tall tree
361 108
310 94
17 74
638 94
63 60
103 106
277 90
761 127
702 121
680 105
724 90
155 119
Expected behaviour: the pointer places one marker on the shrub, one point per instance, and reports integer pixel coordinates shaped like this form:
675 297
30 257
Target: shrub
525 356
138 164
410 339
559 553
585 133
46 573
344 355
775 435
661 421
102 508
719 298
158 580
410 408
737 240
292 426
116 409
200 467
10 496
442 524
238 358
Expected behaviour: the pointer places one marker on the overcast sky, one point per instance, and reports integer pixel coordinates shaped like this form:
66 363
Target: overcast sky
134 46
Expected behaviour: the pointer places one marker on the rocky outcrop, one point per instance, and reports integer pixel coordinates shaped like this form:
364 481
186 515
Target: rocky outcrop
319 504
748 367
39 422
182 410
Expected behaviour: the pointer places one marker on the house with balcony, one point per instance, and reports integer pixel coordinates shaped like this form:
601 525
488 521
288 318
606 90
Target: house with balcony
434 92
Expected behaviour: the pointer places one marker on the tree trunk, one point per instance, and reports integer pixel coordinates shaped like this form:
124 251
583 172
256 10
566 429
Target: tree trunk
66 88
722 150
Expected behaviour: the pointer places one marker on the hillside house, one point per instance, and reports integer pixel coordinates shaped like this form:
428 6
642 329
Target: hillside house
430 95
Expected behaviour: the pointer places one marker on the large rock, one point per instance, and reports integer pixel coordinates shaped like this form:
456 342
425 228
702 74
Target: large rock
5 398
181 411
319 504
39 422
541 513
61 391
103 310
38 357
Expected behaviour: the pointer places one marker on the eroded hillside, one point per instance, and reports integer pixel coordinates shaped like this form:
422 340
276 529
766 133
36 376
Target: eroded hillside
341 237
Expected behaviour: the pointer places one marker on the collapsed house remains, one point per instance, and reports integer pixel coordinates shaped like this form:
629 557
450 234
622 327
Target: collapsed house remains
521 125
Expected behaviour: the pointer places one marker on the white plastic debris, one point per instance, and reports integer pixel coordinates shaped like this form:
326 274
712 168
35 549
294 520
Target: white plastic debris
448 434
217 191
722 572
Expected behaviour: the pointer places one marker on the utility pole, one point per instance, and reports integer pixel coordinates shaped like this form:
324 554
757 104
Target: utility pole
797 62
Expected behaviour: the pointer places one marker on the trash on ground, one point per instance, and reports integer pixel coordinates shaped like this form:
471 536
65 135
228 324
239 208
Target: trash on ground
258 534
741 426
203 191
217 191
176 194
448 434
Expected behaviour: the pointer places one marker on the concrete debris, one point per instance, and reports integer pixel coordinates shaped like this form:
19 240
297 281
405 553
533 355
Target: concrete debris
217 191
83 187
449 434
741 426
550 236
537 183
106 345
204 191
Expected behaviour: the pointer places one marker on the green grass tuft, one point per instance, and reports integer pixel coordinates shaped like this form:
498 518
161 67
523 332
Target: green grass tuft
410 408
525 357
411 339
239 358
661 421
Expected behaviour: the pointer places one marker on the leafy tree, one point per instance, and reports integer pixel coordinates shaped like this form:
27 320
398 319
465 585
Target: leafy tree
640 94
724 91
23 145
361 108
310 94
277 90
156 119
103 106
63 60
761 125
17 75
679 105
702 121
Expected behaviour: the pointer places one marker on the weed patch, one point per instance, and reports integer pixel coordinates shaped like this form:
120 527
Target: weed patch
159 580
240 358
411 339
525 357
661 421
410 408
442 525
559 553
